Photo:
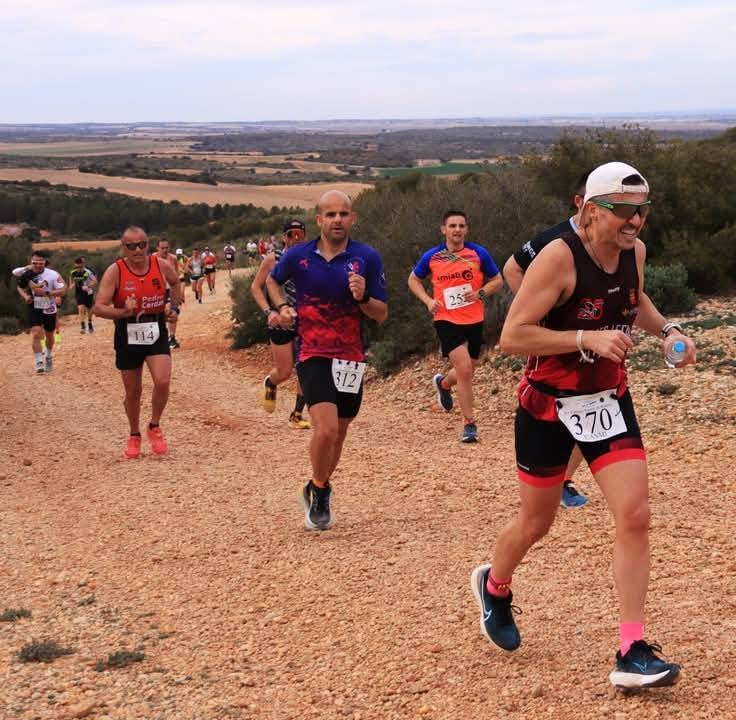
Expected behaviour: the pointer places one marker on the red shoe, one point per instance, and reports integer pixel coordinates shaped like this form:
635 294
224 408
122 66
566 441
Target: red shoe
156 438
133 447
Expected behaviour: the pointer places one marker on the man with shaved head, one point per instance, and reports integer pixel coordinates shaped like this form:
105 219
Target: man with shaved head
133 294
338 282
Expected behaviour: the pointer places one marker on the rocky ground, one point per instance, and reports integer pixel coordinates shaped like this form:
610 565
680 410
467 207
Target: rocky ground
198 562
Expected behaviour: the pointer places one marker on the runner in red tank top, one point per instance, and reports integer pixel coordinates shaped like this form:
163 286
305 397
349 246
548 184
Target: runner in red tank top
573 315
133 294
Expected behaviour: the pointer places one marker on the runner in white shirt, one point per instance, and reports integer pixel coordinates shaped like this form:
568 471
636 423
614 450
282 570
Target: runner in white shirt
41 289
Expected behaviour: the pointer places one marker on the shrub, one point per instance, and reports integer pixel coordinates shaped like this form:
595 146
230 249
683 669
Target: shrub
9 326
119 659
42 651
13 614
251 327
667 287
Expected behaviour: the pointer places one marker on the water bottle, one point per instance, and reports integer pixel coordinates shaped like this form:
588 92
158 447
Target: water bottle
674 352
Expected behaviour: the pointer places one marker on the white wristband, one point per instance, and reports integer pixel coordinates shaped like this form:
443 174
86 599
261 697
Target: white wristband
584 356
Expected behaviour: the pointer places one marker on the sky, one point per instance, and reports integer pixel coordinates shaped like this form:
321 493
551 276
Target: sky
238 60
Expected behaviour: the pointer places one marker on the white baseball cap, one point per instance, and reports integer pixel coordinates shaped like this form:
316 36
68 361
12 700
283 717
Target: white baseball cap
608 178
179 251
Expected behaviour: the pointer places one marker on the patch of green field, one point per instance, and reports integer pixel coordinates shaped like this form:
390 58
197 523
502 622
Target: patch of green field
449 168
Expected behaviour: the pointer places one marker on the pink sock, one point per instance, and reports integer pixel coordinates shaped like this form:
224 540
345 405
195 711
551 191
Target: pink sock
498 588
629 633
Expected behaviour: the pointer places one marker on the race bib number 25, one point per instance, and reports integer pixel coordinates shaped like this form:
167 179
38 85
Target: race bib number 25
348 375
455 296
590 418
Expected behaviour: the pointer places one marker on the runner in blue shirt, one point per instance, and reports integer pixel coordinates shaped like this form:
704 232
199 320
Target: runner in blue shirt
338 282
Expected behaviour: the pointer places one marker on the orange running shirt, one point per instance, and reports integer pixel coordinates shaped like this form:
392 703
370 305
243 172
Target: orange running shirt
148 289
452 274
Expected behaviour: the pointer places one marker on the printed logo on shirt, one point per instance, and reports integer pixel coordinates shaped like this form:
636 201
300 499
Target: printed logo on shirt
590 309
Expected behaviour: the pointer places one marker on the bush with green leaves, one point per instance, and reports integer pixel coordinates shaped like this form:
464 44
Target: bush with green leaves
251 324
666 286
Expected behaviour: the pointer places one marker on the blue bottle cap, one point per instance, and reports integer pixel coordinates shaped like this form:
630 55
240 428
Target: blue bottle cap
679 346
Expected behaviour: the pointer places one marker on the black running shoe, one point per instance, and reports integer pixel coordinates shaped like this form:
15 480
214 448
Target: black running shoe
317 512
470 433
496 613
640 667
444 397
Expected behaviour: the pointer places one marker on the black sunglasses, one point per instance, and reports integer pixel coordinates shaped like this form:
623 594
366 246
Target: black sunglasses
136 246
625 210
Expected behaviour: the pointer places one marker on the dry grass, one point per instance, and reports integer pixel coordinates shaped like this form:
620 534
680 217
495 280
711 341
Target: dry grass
262 195
75 148
76 245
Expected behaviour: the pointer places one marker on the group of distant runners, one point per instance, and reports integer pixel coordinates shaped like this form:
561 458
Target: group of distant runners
578 292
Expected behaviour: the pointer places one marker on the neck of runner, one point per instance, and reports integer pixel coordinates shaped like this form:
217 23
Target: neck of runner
138 265
454 245
329 249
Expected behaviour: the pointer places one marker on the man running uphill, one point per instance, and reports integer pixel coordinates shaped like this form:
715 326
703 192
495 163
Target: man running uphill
463 277
132 292
573 316
338 282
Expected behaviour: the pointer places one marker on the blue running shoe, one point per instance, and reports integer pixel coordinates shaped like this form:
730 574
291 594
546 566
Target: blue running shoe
49 363
444 397
496 614
641 668
470 433
571 498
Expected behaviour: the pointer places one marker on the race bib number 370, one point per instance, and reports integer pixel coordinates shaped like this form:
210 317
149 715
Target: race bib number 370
347 375
591 418
143 333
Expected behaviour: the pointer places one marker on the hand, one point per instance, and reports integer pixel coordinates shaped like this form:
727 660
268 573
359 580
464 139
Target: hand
287 317
433 306
356 285
471 296
131 305
609 344
27 298
689 358
274 319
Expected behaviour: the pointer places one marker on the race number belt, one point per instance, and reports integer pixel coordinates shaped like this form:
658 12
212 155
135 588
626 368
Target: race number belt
455 296
347 375
590 418
142 333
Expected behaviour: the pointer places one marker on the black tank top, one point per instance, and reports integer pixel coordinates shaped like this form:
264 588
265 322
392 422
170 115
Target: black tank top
600 301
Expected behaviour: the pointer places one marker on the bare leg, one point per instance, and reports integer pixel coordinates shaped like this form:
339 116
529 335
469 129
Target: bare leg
36 335
160 368
463 368
625 486
535 517
283 359
576 457
132 382
328 436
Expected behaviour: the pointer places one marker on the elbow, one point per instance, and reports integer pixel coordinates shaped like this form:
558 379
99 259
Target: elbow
507 343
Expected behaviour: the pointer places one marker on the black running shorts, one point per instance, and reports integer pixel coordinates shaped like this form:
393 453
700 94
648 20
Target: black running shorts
543 447
453 336
38 317
279 336
85 299
315 377
131 357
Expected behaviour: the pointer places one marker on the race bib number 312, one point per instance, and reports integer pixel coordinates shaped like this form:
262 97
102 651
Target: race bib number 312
348 375
590 418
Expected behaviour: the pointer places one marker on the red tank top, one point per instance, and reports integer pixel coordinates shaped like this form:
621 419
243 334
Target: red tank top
148 289
600 301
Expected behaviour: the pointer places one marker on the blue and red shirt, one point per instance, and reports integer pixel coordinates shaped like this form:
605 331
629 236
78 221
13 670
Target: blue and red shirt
329 319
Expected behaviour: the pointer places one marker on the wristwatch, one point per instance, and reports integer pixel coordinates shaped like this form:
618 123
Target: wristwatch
267 311
669 326
175 308
366 297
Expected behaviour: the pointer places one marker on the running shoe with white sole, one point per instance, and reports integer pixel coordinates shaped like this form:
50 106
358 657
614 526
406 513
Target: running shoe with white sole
470 433
49 363
641 668
496 613
297 422
318 514
39 367
444 397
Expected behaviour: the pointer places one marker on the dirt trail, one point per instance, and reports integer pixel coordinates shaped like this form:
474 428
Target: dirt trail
200 561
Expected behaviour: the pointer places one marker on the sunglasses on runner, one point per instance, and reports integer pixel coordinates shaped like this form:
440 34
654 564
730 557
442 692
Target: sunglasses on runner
625 210
295 234
136 246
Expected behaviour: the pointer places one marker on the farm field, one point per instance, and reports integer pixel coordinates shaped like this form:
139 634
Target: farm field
261 195
76 148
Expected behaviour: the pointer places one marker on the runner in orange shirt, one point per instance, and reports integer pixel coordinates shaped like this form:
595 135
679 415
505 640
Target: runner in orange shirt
463 276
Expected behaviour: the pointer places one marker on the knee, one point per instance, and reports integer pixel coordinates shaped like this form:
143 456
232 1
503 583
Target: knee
161 385
536 526
325 433
464 371
635 518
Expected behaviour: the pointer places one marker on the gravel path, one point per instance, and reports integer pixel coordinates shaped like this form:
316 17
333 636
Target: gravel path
200 562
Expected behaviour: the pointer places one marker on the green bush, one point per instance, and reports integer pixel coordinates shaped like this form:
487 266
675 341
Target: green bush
10 326
667 287
251 327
